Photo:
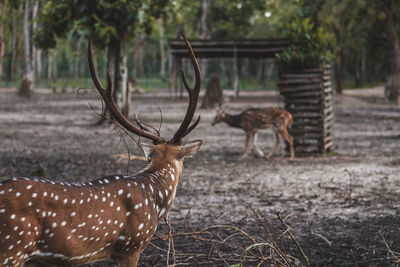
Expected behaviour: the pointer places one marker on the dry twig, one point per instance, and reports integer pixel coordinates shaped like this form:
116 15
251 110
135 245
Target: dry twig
293 238
395 255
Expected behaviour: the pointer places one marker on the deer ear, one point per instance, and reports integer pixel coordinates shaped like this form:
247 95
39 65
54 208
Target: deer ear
148 150
189 149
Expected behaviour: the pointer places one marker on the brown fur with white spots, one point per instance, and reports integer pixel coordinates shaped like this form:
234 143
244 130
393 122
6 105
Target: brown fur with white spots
111 218
252 120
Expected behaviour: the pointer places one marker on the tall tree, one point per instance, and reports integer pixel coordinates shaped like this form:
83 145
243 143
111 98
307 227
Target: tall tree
28 74
2 39
394 44
15 42
163 58
77 57
36 53
338 18
214 95
205 20
205 31
110 22
138 55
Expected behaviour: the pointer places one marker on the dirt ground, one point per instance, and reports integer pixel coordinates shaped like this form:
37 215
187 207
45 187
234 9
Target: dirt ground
343 208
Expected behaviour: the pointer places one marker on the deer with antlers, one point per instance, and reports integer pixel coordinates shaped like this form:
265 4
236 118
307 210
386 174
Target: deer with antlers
252 120
111 218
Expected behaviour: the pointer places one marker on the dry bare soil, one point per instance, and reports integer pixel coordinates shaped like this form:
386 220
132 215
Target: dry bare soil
343 208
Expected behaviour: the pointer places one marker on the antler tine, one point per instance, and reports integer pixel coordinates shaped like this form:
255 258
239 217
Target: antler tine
145 126
191 127
184 128
106 94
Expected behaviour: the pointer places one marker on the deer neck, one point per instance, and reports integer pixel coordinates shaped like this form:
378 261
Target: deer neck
233 120
162 181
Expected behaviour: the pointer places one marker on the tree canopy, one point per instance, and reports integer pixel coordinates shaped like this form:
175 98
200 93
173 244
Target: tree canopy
104 20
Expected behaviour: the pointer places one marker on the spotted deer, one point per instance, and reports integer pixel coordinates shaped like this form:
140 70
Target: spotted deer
252 120
109 219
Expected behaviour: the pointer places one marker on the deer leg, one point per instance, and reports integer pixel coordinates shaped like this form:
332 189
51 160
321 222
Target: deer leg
256 149
246 147
288 138
278 139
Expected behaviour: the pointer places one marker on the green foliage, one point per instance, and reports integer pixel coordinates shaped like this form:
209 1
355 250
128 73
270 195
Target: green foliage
234 18
105 20
309 46
13 3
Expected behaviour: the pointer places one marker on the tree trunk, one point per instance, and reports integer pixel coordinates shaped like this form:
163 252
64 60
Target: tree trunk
205 21
112 52
50 71
116 64
14 53
28 77
260 71
2 43
181 67
35 59
172 73
49 63
162 50
357 78
363 65
117 67
214 95
137 54
38 60
270 71
121 77
236 75
77 56
205 33
338 64
222 67
394 44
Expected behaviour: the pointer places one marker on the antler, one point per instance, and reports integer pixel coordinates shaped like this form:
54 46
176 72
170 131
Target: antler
184 128
106 94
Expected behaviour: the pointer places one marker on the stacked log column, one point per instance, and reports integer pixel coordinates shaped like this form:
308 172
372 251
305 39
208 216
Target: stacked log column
308 97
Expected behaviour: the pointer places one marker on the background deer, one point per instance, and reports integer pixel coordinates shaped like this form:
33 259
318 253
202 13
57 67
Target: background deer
111 218
253 119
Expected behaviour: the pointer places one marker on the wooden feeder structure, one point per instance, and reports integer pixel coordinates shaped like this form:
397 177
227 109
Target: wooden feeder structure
308 96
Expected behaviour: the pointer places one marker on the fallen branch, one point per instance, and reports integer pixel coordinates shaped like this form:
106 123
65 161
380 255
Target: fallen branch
293 238
322 237
395 255
269 236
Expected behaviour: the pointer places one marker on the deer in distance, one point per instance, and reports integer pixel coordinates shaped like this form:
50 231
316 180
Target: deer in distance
252 120
108 219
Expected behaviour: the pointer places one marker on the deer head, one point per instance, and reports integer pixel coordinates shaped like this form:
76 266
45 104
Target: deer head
221 114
